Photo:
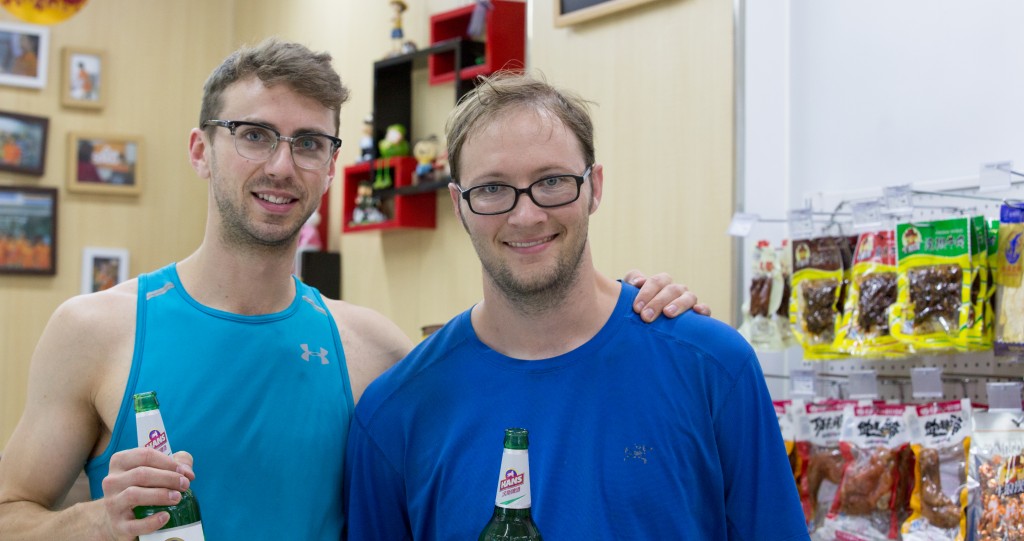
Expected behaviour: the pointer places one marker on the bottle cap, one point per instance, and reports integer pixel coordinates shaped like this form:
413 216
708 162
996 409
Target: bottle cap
146 401
516 438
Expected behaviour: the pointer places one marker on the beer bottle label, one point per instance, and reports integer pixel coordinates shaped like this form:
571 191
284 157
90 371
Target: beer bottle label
149 426
191 532
514 481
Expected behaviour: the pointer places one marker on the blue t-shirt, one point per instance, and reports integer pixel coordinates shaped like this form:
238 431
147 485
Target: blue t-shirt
262 403
647 431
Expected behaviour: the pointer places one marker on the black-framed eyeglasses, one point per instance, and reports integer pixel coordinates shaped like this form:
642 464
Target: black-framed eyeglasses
548 192
254 141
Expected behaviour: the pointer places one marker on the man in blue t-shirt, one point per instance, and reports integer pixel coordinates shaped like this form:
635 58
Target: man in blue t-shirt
661 431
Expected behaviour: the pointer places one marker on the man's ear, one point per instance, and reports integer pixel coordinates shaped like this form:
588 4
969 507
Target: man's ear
197 147
331 172
596 186
456 195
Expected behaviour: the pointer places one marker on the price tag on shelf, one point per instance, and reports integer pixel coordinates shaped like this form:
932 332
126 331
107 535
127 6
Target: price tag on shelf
1004 395
863 385
801 223
926 382
898 199
803 384
995 176
742 223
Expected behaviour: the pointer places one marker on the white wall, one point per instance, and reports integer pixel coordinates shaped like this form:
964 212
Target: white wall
848 95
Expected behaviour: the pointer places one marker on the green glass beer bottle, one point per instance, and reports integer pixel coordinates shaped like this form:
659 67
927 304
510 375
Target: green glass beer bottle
185 523
511 520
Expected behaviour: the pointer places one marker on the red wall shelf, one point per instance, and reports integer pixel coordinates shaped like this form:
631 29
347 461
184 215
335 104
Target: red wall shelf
504 42
413 210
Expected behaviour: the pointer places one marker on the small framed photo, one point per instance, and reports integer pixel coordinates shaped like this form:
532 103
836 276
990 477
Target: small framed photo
104 164
24 50
23 143
28 230
83 78
103 268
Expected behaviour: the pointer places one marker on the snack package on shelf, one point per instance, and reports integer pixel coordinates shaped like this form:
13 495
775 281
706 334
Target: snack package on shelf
788 412
940 438
818 280
820 462
978 336
938 278
993 269
877 465
1009 304
781 316
864 330
996 465
766 294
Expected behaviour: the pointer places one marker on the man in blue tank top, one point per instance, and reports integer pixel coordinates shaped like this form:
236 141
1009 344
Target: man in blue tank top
660 431
257 374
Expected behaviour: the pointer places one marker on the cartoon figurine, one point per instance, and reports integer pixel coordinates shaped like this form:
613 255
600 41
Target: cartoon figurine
366 146
398 7
392 145
425 152
367 209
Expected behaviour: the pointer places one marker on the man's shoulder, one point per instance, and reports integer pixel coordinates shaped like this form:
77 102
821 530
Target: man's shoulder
427 360
711 339
372 342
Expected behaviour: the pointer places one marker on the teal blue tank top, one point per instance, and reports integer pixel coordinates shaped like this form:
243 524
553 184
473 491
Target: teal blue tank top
262 403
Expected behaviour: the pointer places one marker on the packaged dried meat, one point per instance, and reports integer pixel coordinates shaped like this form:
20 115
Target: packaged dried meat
1009 305
817 289
766 295
865 326
996 465
993 267
781 316
940 436
874 444
820 463
939 284
787 412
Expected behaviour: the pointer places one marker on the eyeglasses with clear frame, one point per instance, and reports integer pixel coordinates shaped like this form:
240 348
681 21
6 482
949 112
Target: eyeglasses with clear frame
258 142
548 192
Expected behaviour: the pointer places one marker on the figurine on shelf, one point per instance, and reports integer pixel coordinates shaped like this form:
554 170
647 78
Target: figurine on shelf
368 206
392 145
442 171
366 146
398 7
477 28
425 152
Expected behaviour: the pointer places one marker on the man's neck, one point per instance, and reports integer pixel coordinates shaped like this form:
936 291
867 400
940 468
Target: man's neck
239 282
526 332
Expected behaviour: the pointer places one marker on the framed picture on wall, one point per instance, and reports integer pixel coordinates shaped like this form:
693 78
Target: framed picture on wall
104 164
28 230
569 12
23 143
103 268
83 78
24 49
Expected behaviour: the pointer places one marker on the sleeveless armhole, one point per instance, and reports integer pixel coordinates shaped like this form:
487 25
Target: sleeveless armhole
126 406
342 361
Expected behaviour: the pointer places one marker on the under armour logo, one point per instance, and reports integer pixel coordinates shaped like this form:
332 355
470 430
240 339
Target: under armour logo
306 354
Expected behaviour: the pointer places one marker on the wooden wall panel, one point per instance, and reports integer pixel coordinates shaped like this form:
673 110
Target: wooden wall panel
660 74
158 55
